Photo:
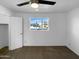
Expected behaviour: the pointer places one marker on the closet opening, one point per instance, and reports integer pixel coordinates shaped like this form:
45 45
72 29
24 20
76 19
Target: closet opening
4 39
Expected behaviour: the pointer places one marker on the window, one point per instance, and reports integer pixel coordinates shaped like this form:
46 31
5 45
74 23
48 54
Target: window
39 24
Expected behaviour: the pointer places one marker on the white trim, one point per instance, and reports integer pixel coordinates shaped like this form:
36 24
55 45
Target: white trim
45 44
77 53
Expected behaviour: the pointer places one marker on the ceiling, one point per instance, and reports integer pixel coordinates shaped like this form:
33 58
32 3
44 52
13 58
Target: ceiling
61 6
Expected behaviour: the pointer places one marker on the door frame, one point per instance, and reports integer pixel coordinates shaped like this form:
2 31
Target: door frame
6 20
22 31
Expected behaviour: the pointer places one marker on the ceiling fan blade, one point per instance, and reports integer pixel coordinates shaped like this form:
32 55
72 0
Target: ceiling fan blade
25 3
46 2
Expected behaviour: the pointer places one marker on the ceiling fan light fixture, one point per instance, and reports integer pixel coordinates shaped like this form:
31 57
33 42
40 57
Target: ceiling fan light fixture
34 5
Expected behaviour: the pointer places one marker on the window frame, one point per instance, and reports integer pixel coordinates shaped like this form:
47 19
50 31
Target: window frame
36 29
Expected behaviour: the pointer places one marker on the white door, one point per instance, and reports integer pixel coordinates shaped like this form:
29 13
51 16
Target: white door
15 33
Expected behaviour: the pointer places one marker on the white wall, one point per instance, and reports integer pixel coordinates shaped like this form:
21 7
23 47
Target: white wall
3 35
73 30
56 36
4 11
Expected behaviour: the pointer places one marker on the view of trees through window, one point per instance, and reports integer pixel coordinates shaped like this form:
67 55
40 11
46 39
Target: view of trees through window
39 24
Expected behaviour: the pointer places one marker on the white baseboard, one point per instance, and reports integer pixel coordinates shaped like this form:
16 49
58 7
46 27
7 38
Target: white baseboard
45 44
76 52
3 44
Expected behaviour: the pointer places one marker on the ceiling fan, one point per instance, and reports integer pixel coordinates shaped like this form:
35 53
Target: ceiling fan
35 3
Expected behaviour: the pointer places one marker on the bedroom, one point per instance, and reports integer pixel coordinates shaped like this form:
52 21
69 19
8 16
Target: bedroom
62 34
